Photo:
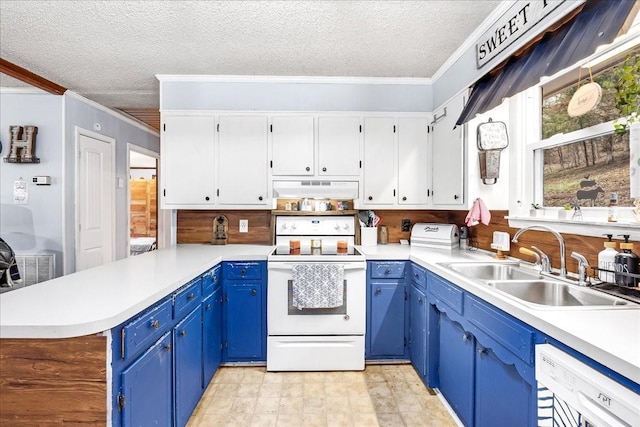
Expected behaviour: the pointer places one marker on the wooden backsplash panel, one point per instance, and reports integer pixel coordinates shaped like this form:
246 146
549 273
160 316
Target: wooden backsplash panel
545 241
196 226
393 221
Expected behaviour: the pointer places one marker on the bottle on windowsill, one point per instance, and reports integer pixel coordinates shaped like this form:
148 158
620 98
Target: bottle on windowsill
612 215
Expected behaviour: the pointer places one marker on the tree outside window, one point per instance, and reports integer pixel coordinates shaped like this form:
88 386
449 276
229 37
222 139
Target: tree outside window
586 171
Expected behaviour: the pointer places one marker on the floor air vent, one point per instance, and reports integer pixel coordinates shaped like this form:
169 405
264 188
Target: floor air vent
35 268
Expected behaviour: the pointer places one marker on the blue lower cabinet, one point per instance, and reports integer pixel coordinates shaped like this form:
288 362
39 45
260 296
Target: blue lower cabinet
244 311
387 320
499 385
418 330
456 368
482 361
147 395
245 314
187 338
211 335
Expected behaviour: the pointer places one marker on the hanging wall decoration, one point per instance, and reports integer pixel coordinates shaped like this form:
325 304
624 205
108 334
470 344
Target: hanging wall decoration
22 147
492 139
586 98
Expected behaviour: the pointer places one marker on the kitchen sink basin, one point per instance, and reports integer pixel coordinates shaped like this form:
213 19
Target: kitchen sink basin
556 294
492 270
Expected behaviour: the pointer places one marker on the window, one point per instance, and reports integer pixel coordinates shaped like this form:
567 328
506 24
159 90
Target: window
581 159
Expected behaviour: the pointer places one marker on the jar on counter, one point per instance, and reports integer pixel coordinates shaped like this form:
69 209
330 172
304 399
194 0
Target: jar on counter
384 235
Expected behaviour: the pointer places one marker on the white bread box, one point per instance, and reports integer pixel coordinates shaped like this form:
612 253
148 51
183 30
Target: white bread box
433 235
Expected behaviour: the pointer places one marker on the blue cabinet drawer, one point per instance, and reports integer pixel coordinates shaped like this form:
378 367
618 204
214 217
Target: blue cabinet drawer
144 330
387 270
242 271
210 281
514 336
445 292
187 298
419 276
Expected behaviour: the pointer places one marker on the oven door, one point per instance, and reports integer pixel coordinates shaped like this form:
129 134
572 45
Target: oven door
285 319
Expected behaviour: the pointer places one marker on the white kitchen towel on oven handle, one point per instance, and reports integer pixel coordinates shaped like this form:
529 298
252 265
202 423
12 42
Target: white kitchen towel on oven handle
318 285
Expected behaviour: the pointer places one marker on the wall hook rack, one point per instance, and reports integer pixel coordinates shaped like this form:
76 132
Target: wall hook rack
441 116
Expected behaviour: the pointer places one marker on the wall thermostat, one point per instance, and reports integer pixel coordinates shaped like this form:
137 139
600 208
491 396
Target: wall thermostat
42 180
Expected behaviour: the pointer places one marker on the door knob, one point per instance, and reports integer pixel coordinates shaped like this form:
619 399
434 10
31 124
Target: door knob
308 168
324 169
254 292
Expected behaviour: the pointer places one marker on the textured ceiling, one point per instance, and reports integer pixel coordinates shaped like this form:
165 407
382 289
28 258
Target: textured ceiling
110 51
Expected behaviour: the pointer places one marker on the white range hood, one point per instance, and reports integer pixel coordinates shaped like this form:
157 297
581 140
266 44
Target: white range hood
318 189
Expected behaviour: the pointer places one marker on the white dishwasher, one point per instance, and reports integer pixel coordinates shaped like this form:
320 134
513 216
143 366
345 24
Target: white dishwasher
571 393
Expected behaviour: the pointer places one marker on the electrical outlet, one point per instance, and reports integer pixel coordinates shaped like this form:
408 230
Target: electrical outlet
406 225
244 226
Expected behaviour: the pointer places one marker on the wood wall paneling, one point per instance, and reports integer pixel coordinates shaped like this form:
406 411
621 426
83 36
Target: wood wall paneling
143 215
150 116
196 226
48 382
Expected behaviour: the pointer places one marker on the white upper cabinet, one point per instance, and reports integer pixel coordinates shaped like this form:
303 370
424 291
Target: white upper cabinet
448 155
188 161
292 145
379 183
413 161
339 146
242 169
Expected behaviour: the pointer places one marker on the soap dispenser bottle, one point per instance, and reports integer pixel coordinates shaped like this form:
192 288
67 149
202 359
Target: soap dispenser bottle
607 261
626 262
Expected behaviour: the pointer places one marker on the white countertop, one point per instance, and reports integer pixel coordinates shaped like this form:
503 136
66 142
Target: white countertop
101 298
98 299
609 336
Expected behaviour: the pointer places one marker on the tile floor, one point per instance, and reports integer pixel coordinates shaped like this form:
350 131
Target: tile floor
382 395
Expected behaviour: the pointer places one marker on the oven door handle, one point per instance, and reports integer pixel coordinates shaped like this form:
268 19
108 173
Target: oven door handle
289 266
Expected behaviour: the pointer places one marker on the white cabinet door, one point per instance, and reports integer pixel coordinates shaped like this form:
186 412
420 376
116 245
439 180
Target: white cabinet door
188 161
339 146
292 146
413 161
242 166
448 156
379 161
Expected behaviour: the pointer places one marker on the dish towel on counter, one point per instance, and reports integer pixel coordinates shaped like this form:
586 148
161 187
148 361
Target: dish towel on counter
318 285
478 214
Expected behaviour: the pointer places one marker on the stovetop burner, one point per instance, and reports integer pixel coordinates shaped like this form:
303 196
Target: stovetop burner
304 251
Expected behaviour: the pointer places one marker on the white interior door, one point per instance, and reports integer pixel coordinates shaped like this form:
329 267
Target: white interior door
95 178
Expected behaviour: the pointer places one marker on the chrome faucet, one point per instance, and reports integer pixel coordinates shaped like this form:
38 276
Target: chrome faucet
583 266
545 262
563 266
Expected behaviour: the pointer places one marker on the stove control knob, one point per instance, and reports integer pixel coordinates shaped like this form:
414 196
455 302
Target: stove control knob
293 226
285 226
346 226
337 227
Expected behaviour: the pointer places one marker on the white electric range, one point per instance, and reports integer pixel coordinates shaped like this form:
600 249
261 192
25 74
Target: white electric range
315 338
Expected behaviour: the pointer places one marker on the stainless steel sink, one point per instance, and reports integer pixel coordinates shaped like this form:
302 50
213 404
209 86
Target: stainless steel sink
556 294
492 270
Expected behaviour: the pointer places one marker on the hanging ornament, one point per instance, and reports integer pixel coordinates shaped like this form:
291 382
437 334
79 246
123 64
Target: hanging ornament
586 98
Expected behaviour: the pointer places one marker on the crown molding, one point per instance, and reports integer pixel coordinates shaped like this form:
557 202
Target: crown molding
294 79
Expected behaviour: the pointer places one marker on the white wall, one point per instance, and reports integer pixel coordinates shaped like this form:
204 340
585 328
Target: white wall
200 94
85 114
36 227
